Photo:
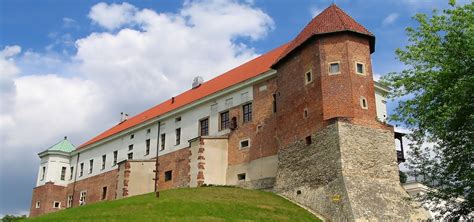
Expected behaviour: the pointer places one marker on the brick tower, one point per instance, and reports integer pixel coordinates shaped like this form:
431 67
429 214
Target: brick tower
335 156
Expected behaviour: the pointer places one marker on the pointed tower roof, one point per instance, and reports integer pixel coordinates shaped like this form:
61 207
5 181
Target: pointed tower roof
333 19
62 147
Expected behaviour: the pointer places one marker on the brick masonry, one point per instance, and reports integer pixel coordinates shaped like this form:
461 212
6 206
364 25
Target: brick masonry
178 162
46 195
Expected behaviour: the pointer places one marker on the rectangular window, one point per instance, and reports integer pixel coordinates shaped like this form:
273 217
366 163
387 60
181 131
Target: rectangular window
244 143
63 173
81 172
147 146
178 136
247 111
360 68
334 68
104 193
148 131
104 159
163 139
204 127
130 147
168 175
71 173
274 103
132 136
130 156
56 204
69 201
308 77
91 166
82 198
177 119
115 158
37 205
43 173
224 120
241 176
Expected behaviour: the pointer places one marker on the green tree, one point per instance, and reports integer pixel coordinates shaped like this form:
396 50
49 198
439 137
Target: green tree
436 102
11 218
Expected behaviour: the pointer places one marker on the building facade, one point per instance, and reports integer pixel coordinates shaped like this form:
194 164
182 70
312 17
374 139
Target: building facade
305 120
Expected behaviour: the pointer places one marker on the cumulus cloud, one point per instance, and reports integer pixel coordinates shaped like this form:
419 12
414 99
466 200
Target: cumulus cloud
391 18
112 16
139 59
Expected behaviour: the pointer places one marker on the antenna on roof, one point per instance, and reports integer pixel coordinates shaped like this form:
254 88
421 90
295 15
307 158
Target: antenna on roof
197 81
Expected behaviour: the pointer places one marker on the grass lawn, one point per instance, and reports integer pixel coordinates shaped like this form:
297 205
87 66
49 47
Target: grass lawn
189 204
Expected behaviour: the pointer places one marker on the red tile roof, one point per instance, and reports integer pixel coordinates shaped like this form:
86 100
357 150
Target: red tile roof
237 75
331 20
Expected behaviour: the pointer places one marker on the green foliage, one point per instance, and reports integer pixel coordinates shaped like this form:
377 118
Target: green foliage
403 176
11 218
436 92
189 204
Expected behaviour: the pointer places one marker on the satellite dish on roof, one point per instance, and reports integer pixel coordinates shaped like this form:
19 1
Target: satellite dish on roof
197 81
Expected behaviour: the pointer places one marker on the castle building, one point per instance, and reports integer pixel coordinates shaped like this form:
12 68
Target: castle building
305 120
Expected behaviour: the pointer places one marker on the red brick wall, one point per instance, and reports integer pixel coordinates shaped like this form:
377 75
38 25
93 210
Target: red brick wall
260 131
327 96
178 162
46 195
93 186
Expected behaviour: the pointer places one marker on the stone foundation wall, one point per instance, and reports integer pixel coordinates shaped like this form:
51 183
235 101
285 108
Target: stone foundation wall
347 173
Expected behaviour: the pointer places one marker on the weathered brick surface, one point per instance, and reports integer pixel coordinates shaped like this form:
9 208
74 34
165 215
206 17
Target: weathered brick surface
178 162
93 186
46 195
260 131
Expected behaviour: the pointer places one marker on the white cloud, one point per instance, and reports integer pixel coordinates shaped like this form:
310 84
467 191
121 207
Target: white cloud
121 69
112 16
315 11
390 19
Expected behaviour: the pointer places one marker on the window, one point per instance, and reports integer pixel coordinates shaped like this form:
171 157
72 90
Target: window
224 120
63 173
177 119
168 175
308 140
178 136
274 103
56 204
104 193
163 139
147 146
130 156
308 77
204 127
305 113
37 205
104 158
334 68
247 110
244 143
115 158
71 173
91 166
43 173
241 176
81 172
82 198
130 147
69 201
148 131
363 103
132 136
360 69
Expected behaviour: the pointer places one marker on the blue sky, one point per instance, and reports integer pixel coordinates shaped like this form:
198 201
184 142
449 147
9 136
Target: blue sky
70 67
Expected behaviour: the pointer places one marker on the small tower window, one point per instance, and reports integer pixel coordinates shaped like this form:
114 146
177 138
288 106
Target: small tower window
37 205
244 143
334 68
363 103
360 68
56 204
308 77
241 176
305 113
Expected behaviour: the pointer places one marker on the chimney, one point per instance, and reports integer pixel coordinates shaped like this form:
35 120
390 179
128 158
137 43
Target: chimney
197 81
65 137
123 117
172 100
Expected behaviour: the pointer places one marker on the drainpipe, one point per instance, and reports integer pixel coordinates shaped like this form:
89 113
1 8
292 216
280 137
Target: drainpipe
74 183
157 163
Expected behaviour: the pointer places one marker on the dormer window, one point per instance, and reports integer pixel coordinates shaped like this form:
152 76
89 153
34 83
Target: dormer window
334 68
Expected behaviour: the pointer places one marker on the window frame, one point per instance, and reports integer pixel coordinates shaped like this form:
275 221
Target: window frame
91 166
114 163
364 103
69 201
168 175
104 160
306 81
247 116
81 171
147 146
205 119
130 156
357 70
63 173
224 124
72 172
177 133
329 68
244 140
57 202
162 141
241 177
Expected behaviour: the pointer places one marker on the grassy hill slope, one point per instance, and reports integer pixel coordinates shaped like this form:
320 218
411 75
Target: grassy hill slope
189 204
